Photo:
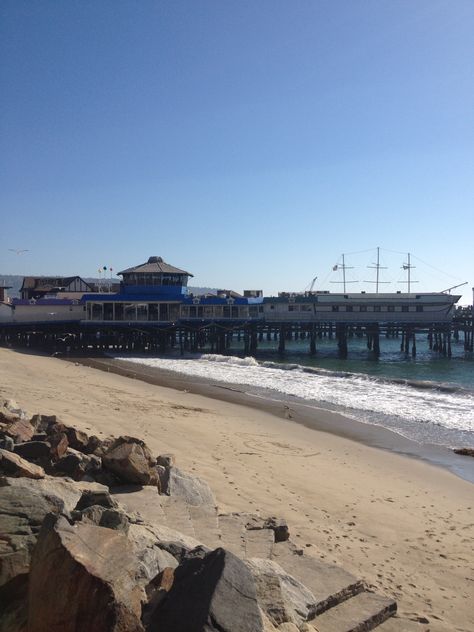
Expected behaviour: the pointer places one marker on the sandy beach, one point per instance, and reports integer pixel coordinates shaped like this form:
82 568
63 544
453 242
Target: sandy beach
400 523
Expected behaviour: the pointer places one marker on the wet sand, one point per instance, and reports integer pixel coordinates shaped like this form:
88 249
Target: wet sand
402 524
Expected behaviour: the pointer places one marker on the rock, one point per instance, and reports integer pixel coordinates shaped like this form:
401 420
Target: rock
216 593
78 440
42 423
65 492
7 443
13 605
19 430
100 497
152 559
77 465
163 476
181 552
465 451
59 445
82 578
193 490
94 444
156 591
7 417
23 509
278 525
12 406
282 597
34 450
13 464
130 460
103 517
288 627
166 460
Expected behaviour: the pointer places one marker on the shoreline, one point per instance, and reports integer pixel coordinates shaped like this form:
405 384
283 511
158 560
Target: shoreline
315 417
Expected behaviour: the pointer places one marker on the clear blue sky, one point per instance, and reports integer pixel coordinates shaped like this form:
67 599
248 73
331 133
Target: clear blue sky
248 142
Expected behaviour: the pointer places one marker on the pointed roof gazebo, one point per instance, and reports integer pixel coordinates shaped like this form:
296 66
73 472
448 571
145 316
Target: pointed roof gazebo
155 272
155 265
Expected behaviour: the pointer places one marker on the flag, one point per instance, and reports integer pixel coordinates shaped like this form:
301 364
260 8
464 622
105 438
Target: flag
334 268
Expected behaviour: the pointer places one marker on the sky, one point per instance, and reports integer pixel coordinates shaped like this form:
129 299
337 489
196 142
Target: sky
250 143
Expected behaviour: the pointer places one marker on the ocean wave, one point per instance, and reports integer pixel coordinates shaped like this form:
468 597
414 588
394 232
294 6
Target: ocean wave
364 396
418 384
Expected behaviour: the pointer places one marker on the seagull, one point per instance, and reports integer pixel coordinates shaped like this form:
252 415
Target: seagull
18 251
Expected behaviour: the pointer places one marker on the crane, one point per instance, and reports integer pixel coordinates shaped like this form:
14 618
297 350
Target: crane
312 284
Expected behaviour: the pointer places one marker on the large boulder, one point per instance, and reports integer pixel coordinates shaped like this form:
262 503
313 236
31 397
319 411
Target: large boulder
131 461
283 598
152 559
193 490
213 593
82 578
64 491
23 509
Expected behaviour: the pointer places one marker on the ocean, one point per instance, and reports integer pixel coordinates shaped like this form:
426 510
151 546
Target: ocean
429 399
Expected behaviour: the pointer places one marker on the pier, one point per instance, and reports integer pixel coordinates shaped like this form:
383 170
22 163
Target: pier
152 311
219 336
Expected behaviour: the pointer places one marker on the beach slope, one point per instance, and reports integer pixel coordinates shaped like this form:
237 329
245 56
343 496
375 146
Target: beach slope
404 526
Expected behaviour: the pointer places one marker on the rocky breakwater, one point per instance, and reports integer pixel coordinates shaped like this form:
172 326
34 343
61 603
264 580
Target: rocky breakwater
100 535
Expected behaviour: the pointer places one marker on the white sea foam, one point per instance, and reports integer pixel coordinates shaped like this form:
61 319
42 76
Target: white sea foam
358 394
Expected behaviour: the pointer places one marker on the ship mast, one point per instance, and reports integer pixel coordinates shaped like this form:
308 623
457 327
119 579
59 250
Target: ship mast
377 267
343 267
407 266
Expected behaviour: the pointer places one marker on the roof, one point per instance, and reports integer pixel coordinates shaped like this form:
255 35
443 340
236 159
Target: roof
47 283
156 265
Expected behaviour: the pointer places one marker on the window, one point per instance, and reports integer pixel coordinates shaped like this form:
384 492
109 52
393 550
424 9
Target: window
391 308
419 308
96 311
292 308
108 311
142 311
164 312
349 308
173 311
130 311
118 311
235 311
305 308
377 308
335 308
404 308
363 308
153 311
